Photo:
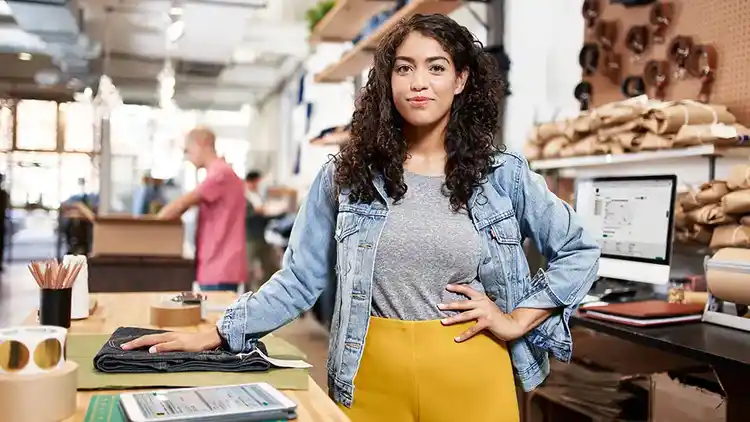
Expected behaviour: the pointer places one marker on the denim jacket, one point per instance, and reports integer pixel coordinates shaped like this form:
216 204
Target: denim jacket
334 241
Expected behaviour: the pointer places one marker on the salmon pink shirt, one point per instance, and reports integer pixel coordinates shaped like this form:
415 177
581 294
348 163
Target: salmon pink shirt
220 239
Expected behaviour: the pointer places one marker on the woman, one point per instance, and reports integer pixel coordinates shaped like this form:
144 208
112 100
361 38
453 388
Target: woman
420 222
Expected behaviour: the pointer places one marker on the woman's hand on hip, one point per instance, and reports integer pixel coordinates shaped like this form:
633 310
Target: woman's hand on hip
484 311
176 342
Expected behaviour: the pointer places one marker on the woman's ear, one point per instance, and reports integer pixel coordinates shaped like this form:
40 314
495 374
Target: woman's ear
461 82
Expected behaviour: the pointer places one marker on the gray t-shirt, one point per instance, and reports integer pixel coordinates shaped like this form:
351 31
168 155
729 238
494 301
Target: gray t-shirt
424 247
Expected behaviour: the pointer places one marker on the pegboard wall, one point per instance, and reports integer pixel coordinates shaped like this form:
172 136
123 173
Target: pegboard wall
723 24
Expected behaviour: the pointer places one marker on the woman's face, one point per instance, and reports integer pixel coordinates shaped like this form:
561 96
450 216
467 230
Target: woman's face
424 80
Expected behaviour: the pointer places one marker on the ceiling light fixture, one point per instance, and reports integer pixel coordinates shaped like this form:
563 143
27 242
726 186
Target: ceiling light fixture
24 56
176 11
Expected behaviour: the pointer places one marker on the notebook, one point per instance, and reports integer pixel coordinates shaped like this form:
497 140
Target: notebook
645 313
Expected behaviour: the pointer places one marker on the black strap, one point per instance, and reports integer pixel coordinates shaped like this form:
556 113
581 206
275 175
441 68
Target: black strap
588 58
583 93
633 86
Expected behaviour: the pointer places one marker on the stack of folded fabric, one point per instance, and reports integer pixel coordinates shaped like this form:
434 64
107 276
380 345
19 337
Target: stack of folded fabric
636 124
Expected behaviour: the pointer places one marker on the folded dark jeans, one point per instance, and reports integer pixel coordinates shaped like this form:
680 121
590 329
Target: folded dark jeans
112 359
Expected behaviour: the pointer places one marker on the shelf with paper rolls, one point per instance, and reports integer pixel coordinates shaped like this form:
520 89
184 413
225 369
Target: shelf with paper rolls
359 57
708 150
346 19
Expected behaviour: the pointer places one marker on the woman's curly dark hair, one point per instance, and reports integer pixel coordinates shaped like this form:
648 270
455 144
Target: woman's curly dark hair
377 143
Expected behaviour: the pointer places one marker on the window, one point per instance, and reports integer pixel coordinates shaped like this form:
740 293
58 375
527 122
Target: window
79 126
6 126
37 125
130 129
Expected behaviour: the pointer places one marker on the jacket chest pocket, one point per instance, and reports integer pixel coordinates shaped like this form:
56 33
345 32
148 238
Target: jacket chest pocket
503 252
348 225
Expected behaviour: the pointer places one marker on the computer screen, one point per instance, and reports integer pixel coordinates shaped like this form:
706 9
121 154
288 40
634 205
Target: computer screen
632 219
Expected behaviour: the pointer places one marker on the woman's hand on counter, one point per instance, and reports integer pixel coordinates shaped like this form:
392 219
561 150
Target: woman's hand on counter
485 312
174 342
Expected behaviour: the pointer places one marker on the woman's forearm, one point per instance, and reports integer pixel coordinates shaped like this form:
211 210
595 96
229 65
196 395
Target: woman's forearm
530 318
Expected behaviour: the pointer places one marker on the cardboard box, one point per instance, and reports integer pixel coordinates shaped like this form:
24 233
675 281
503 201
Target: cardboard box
672 401
127 235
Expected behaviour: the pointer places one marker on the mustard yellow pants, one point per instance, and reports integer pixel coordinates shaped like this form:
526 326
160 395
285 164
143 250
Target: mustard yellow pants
413 371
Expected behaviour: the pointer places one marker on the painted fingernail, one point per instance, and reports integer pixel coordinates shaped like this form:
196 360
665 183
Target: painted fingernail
444 321
152 349
124 346
457 339
441 306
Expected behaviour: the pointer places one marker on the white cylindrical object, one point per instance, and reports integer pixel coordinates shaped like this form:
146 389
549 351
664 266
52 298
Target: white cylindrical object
80 302
32 350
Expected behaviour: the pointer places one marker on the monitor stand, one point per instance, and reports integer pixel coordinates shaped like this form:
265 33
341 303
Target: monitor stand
612 290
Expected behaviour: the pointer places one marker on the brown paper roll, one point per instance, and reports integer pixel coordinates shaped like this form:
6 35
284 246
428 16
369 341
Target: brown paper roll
745 220
712 192
548 130
730 235
711 215
691 135
47 397
670 118
737 202
700 234
652 142
696 297
568 151
175 314
729 285
630 141
553 146
590 145
739 177
532 152
689 201
626 127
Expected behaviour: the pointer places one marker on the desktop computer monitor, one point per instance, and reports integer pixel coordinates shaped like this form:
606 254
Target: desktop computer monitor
632 218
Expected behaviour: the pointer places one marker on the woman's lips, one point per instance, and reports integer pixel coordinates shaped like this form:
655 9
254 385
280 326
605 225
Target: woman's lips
419 101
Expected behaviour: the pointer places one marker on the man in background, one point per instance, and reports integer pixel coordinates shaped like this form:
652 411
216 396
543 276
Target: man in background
220 239
258 250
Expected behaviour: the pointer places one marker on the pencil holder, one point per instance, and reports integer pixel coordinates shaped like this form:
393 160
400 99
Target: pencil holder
54 307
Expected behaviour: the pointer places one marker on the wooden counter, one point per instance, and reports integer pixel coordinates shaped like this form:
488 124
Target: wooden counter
123 309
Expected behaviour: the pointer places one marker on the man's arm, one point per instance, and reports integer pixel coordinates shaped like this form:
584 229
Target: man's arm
209 190
176 208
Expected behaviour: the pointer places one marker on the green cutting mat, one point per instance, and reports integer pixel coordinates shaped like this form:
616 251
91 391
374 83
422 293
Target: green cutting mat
81 348
106 408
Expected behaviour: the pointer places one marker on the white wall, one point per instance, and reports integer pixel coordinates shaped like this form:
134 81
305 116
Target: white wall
543 39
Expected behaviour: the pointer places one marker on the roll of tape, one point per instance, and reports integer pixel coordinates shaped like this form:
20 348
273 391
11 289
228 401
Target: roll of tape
32 350
727 275
45 397
175 314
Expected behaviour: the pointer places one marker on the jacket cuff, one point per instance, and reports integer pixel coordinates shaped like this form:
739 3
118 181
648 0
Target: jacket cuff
541 295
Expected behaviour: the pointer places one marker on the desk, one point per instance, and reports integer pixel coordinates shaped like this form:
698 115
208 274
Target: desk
725 349
114 310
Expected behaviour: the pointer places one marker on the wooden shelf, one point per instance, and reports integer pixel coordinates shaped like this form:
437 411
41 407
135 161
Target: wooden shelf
602 160
346 19
360 57
333 138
